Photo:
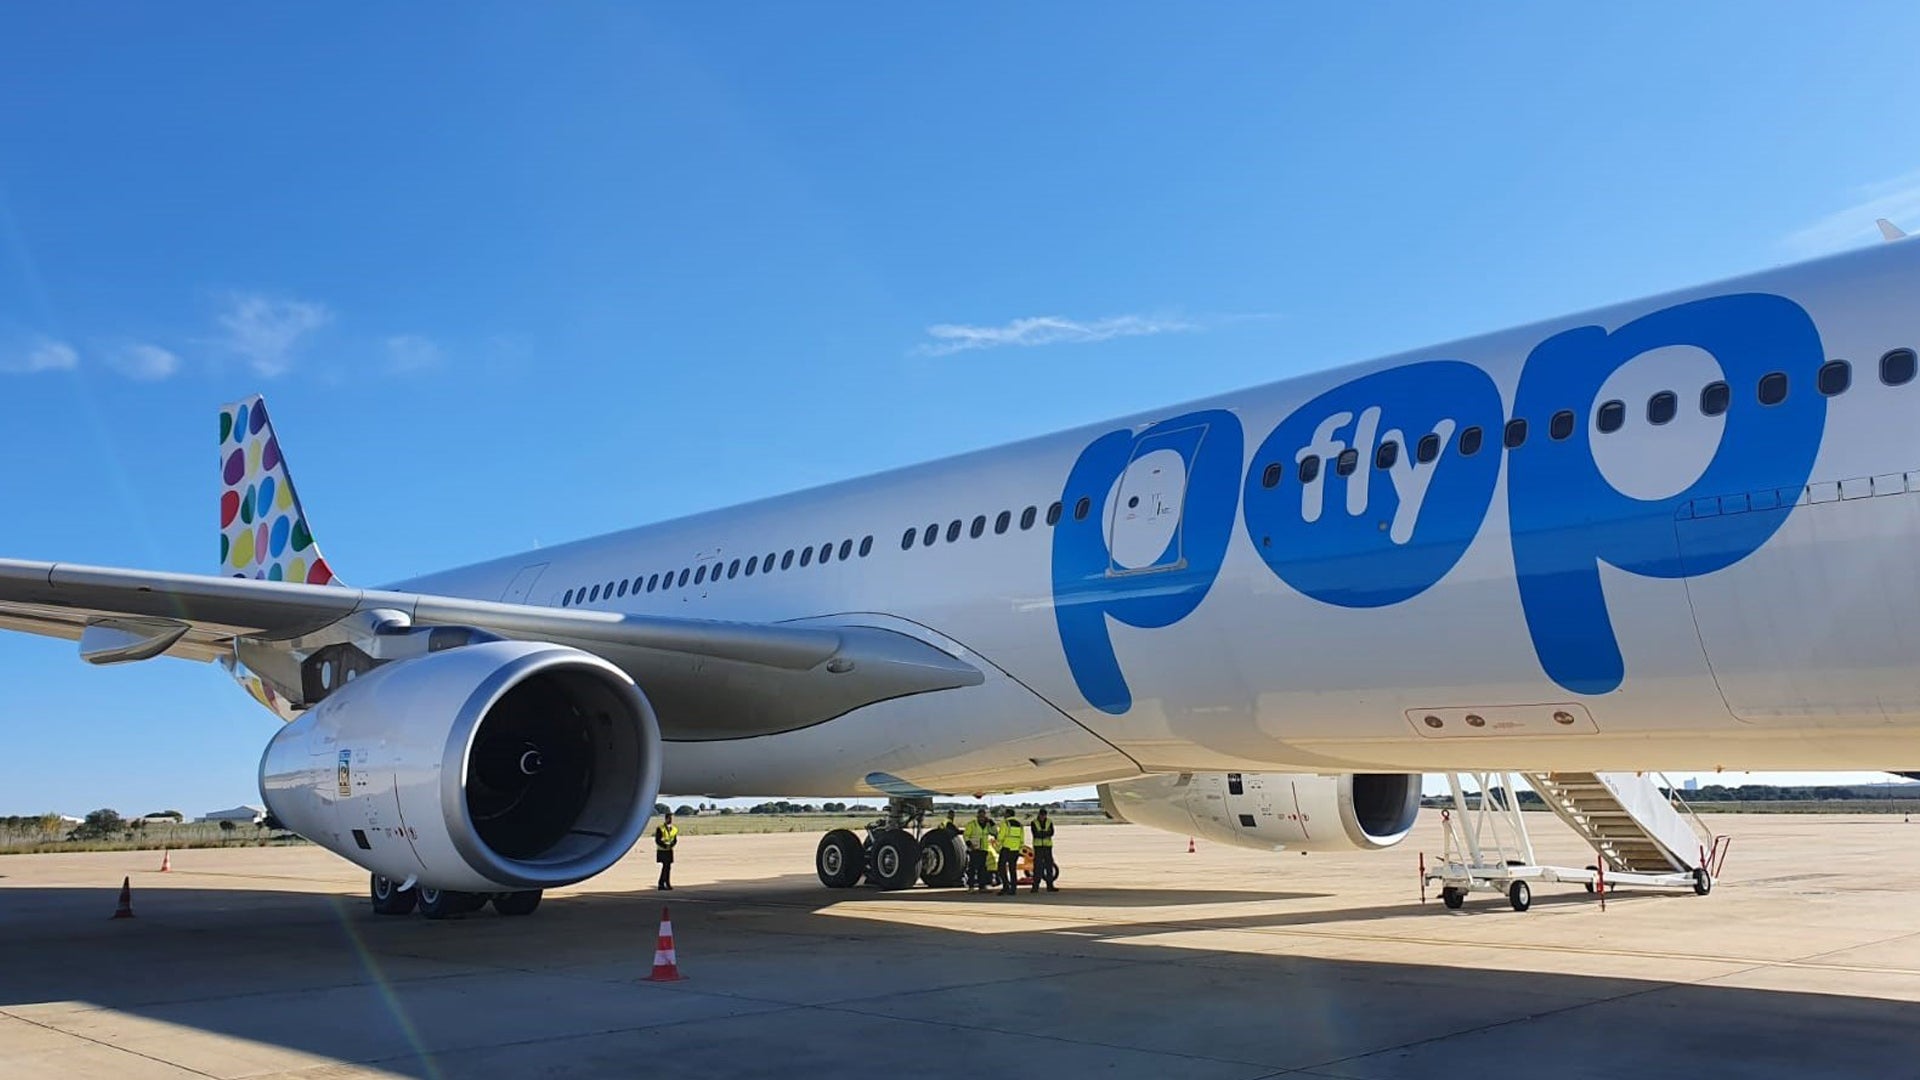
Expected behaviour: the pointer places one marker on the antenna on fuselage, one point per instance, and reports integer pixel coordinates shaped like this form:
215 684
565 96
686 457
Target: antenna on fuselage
1889 231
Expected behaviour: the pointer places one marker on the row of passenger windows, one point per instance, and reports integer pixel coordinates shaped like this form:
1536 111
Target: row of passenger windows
714 571
1003 521
1835 377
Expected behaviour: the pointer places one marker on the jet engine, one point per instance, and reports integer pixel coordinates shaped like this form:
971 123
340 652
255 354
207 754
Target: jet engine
503 765
1272 811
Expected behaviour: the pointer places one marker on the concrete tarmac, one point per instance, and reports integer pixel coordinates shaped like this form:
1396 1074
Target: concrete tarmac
1805 960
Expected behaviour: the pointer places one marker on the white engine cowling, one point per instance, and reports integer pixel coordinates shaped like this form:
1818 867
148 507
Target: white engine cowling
505 765
1272 811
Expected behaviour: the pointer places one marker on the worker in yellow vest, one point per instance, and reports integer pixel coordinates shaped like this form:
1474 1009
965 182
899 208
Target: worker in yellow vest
664 839
979 837
1013 837
1043 867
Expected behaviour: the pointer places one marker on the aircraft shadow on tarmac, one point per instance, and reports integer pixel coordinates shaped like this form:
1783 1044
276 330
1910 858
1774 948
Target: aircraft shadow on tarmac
780 988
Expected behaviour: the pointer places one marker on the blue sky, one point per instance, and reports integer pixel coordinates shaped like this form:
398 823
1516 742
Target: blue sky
513 274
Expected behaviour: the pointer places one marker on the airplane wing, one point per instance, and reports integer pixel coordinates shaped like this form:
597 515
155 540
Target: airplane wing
706 679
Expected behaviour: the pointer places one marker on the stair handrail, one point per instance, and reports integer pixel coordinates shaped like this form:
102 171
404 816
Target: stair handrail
1688 813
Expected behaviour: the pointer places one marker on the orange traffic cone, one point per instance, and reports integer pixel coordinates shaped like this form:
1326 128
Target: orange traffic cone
125 910
166 860
1190 848
665 967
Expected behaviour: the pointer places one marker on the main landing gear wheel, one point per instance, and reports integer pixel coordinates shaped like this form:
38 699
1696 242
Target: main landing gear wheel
943 859
517 903
1520 896
1702 882
445 903
1453 898
389 898
840 860
894 860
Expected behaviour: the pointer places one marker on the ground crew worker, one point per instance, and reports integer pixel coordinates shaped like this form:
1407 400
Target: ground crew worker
1013 837
979 837
664 838
1043 869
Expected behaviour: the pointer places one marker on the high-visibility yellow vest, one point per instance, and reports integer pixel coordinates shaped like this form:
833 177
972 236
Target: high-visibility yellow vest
1042 833
1013 836
666 836
978 835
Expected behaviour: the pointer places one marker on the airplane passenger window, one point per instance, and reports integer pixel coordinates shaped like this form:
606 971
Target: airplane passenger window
623 586
1027 516
1388 453
866 545
1309 468
733 569
1662 406
1347 462
979 527
1773 388
567 600
682 582
1560 425
1053 514
1271 477
766 564
786 561
594 595
906 540
753 563
1515 434
1000 523
609 593
1835 377
1715 398
700 575
1427 448
806 556
932 534
953 530
846 550
826 552
1470 441
1612 417
1080 508
1897 367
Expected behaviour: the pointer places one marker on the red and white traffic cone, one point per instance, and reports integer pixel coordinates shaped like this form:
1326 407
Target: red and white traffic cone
1190 848
166 860
666 968
125 910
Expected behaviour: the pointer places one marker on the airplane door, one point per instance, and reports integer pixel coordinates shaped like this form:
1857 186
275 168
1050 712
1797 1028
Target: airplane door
1146 511
521 587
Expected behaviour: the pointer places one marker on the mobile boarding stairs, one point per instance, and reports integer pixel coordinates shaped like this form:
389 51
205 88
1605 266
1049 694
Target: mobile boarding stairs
1642 833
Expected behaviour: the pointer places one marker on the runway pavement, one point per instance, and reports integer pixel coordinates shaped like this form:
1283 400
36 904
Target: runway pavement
1805 960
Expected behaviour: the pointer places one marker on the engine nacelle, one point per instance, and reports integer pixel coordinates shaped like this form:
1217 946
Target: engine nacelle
1271 811
505 765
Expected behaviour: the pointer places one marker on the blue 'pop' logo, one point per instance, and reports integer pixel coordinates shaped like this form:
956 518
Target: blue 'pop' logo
1360 535
1171 487
1566 518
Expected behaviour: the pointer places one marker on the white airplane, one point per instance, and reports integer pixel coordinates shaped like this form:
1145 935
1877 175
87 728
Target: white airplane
1677 533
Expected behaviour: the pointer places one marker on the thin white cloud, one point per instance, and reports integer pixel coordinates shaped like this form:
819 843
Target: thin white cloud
950 338
266 331
147 363
41 354
1897 200
411 353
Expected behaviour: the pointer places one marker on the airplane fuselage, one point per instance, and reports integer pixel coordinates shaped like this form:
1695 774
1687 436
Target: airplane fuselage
1697 554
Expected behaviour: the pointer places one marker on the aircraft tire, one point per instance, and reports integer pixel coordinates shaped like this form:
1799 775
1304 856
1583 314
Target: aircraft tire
894 861
1520 895
517 903
943 859
840 860
388 898
446 903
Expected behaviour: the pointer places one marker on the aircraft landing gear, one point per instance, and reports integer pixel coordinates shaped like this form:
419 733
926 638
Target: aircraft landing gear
840 860
390 899
892 857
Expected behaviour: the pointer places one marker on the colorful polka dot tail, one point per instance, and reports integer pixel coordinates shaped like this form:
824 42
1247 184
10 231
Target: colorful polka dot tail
263 531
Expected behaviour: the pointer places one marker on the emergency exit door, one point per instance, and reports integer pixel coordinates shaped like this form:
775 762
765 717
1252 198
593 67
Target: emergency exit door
1146 517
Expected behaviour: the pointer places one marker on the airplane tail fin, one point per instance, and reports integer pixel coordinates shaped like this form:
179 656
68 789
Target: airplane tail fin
263 531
